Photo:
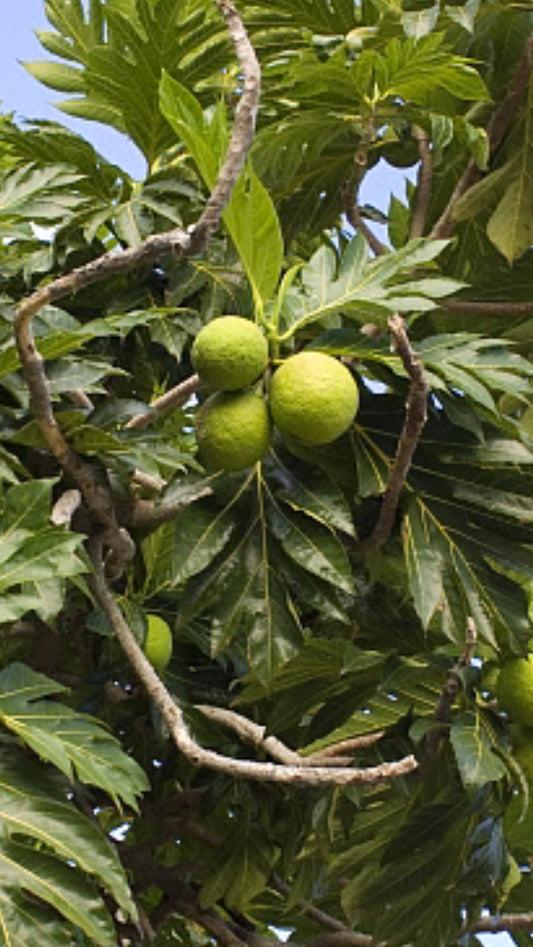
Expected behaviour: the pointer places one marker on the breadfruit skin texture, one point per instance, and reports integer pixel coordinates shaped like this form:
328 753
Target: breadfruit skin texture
232 430
314 397
230 353
515 690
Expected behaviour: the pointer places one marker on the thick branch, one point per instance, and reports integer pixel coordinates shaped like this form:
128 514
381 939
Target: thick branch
174 398
503 922
424 183
415 419
497 129
175 721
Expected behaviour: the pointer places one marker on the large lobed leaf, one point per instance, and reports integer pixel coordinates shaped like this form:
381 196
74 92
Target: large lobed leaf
77 745
31 551
49 850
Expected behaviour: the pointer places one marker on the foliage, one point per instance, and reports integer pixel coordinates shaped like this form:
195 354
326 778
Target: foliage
109 834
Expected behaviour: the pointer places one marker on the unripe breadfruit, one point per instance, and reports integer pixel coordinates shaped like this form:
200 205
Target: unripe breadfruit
515 690
232 430
230 353
313 397
157 644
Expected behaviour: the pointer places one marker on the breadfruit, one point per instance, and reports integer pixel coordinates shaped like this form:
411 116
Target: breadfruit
230 353
157 644
232 430
313 397
515 690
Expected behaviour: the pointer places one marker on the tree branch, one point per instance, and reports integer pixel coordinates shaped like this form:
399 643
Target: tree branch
415 419
345 746
174 398
451 688
243 126
175 721
354 218
487 308
503 922
185 243
497 129
424 183
147 515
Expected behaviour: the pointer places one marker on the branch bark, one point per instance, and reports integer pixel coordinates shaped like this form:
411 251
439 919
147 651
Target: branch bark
451 688
487 308
415 420
424 183
497 129
175 721
174 398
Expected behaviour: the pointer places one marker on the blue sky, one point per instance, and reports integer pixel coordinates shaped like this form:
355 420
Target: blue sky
20 93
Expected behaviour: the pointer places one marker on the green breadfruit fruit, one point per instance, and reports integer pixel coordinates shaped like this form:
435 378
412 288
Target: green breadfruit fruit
232 430
313 397
157 644
230 353
514 690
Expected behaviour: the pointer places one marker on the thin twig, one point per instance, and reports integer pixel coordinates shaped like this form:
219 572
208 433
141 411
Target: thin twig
346 746
174 398
175 721
415 419
424 183
497 129
64 508
450 689
453 685
148 515
256 735
80 399
353 215
487 308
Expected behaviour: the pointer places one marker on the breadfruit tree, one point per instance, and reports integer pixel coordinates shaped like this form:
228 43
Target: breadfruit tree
249 678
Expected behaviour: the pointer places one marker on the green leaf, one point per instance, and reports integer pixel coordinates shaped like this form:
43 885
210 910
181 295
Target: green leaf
57 76
250 216
419 24
238 871
477 762
33 811
31 551
511 225
73 742
186 546
363 289
271 621
313 546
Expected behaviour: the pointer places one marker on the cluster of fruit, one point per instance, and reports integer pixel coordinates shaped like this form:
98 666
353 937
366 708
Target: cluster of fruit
312 396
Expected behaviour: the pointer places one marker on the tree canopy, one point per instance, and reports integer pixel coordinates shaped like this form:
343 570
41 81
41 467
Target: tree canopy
326 752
